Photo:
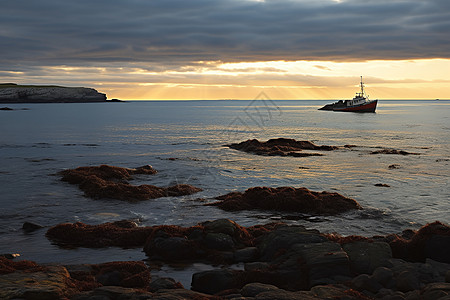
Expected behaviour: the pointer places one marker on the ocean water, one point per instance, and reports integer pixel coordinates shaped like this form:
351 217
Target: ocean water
37 143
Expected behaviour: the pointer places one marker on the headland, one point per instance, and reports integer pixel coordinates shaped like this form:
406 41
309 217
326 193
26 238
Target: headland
14 93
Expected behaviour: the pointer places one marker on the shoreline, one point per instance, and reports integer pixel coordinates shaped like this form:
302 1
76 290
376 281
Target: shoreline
280 261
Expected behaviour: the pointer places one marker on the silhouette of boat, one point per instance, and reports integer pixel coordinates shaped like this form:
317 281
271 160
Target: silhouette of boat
360 103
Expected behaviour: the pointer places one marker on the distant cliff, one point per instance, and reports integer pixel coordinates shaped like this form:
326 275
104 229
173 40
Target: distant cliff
13 93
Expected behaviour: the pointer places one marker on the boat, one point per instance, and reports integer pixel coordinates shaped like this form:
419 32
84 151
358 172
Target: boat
360 103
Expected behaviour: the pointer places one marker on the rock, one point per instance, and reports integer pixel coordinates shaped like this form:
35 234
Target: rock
393 151
219 241
255 288
280 147
287 199
164 283
383 275
96 236
430 241
365 257
170 248
407 281
48 94
10 255
255 266
40 283
447 276
213 281
6 108
394 166
282 238
320 262
365 282
115 292
111 182
335 291
436 291
29 227
285 295
246 254
382 185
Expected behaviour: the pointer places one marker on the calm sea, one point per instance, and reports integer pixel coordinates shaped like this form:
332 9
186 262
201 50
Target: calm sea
37 143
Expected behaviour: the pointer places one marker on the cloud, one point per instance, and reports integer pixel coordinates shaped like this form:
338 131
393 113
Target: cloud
168 33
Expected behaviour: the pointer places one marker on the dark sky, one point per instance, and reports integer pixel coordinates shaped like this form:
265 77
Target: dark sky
159 34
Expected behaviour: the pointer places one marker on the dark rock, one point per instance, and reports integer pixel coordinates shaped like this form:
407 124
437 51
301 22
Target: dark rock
287 199
96 236
246 254
436 291
382 185
282 238
394 166
447 276
255 266
164 283
255 288
393 151
110 278
10 255
6 108
219 241
171 248
383 275
280 147
365 282
431 241
285 295
320 260
407 281
29 227
214 281
365 257
111 182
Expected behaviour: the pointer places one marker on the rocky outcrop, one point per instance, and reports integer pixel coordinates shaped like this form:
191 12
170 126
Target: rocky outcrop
280 262
12 93
111 182
280 147
287 199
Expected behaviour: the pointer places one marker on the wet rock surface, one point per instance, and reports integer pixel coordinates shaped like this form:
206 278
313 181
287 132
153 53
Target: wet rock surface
280 147
111 182
281 262
287 199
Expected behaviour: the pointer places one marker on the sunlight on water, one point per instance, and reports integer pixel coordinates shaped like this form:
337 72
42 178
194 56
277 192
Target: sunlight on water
37 143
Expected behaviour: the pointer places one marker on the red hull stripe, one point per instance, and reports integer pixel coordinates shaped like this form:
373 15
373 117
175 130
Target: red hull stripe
366 107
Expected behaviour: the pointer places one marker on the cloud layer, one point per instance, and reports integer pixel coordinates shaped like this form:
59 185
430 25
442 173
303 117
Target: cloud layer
169 33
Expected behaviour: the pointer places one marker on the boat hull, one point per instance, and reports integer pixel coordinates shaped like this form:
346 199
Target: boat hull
368 107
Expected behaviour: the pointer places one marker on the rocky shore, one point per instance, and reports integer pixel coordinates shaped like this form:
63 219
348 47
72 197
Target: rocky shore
280 262
13 93
112 182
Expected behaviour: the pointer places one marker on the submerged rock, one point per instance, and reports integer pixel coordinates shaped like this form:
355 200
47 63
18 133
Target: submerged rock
111 182
280 147
393 151
287 199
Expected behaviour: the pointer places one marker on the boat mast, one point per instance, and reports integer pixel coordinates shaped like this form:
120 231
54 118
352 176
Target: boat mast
362 88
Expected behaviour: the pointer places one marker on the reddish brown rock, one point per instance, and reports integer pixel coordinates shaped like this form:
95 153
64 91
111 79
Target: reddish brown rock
287 199
431 241
111 182
119 234
9 266
280 147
